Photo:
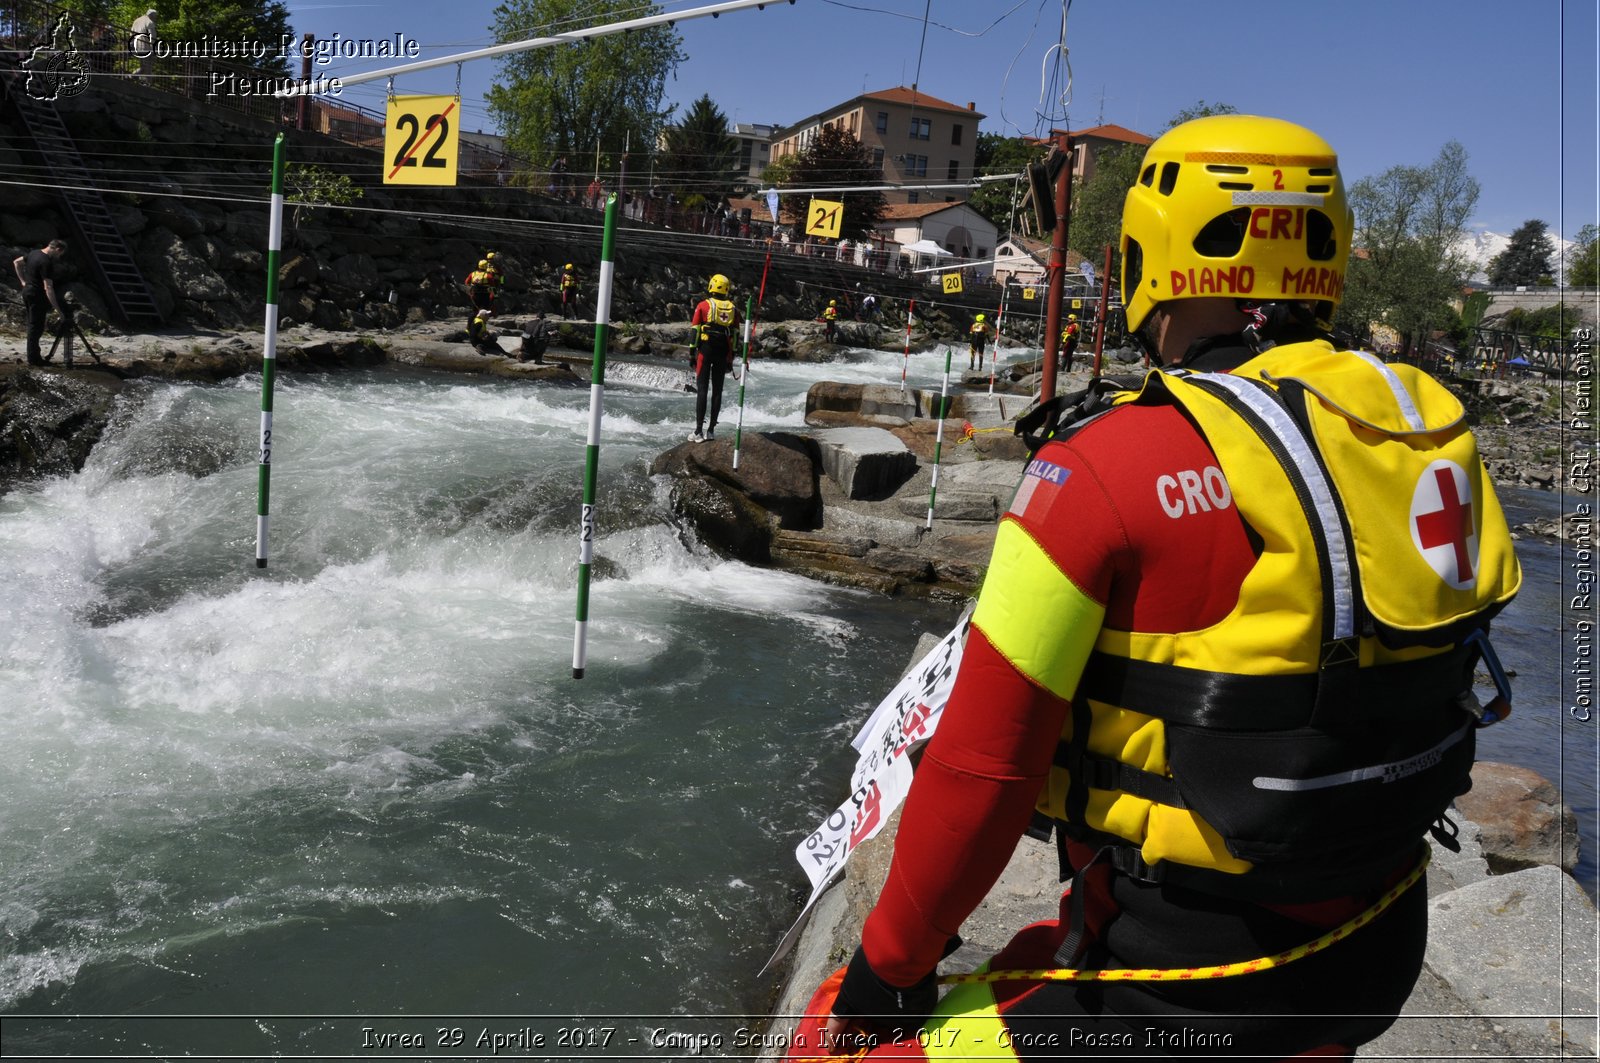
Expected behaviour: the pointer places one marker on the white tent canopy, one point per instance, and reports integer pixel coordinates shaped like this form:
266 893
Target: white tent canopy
925 247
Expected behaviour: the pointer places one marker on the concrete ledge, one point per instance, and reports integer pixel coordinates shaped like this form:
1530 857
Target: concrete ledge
866 463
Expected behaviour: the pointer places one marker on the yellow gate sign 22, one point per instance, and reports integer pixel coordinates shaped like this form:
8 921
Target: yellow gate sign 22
952 283
421 140
824 217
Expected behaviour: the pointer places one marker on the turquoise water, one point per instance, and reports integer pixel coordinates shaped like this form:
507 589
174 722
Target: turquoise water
363 783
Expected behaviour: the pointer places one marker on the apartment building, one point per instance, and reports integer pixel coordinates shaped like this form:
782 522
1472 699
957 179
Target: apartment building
917 140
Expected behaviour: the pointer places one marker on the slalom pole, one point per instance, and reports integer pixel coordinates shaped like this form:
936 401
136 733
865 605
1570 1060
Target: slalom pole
744 375
597 388
269 353
910 311
938 436
999 321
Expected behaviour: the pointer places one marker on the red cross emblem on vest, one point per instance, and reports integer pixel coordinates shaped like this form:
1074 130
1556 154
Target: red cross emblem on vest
1442 524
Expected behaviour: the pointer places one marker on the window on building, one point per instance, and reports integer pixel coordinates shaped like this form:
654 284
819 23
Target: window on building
911 197
955 133
916 165
922 129
955 170
883 122
983 252
877 157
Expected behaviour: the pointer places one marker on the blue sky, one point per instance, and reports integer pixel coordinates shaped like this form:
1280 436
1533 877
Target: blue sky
1387 82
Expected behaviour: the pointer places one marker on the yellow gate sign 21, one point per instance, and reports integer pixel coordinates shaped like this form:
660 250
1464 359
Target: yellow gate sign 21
421 140
824 217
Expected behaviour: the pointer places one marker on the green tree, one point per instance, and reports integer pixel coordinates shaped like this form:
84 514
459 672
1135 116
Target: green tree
308 184
833 159
699 157
997 154
1583 266
1526 259
1201 109
1097 205
570 99
264 22
1406 265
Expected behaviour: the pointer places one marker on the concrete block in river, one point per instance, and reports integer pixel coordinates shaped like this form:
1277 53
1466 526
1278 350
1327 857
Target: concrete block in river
866 463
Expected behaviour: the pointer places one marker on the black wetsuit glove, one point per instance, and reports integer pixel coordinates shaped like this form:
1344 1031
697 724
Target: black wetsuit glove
874 1003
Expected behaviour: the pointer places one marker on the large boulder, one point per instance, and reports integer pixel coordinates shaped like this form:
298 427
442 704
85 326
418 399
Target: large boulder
50 420
738 511
1521 817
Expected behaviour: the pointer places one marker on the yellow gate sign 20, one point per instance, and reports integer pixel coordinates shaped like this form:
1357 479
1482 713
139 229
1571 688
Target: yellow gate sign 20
421 140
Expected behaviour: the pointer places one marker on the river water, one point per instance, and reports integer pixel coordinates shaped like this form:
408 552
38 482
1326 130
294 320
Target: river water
358 797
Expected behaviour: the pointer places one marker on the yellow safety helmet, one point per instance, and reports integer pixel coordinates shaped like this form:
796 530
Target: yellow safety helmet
1236 205
978 318
833 302
491 254
1072 317
718 284
567 266
483 263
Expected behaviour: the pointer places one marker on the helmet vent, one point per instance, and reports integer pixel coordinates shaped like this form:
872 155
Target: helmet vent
1132 266
1320 243
1223 235
1318 188
1236 186
1169 178
1218 168
1148 178
1320 171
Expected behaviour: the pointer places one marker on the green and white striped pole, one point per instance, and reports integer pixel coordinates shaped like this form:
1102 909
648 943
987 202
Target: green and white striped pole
938 436
269 354
744 377
597 389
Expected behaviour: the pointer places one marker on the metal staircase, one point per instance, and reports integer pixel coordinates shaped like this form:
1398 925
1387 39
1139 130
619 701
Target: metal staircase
112 262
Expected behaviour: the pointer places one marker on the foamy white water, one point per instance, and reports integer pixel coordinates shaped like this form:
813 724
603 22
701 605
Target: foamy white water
364 780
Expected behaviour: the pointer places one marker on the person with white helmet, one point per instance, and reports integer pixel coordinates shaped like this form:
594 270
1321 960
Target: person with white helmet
1224 650
481 285
716 325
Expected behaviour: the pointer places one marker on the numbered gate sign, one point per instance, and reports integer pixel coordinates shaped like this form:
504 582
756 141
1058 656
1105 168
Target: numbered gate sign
422 140
824 217
1027 293
952 283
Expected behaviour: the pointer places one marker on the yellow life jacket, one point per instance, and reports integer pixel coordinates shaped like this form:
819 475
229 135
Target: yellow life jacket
1309 739
716 332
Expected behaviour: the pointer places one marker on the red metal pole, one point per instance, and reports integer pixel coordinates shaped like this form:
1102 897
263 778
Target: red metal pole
305 75
1105 300
1058 271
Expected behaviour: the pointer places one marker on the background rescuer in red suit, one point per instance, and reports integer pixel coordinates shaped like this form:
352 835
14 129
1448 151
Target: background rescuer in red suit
1131 571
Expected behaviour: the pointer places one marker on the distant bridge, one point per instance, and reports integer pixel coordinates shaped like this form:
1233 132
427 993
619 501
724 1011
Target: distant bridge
1499 350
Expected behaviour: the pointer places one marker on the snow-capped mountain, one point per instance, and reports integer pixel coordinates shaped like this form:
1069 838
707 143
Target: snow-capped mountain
1481 245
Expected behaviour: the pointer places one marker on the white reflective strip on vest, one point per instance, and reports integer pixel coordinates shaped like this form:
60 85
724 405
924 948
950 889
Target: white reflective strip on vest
1402 397
1390 772
1339 560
